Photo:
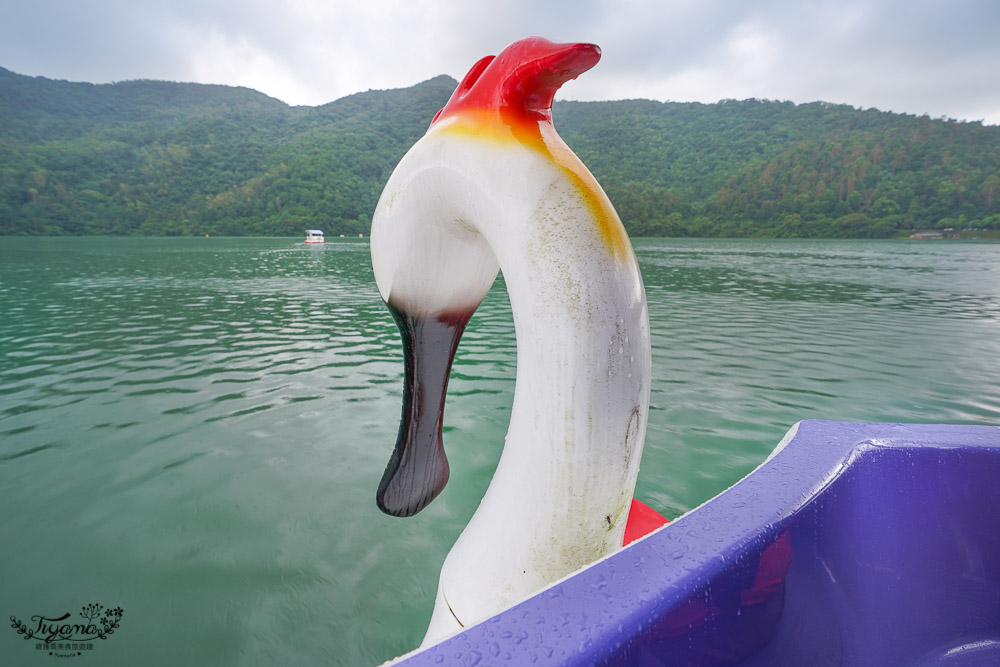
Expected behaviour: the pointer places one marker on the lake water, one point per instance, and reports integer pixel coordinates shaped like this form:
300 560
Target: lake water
193 429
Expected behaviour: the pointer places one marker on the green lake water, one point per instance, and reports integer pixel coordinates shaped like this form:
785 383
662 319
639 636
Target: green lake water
193 429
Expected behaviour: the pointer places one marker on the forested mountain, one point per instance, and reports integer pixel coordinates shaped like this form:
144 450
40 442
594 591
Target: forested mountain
153 157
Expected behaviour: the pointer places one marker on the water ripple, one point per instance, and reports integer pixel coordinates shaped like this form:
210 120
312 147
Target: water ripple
217 412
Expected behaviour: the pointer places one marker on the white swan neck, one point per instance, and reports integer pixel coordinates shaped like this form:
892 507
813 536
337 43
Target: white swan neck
559 499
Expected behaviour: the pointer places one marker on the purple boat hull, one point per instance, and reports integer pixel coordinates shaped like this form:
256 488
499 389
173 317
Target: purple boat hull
855 544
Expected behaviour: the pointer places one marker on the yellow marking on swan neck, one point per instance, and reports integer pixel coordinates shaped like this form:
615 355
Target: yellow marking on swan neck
494 126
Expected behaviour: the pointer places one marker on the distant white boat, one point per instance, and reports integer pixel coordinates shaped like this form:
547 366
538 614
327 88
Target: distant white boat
314 236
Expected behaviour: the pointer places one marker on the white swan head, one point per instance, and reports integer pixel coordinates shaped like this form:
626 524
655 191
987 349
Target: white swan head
491 186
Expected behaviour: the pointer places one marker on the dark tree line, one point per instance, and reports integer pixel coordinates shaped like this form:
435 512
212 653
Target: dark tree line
160 158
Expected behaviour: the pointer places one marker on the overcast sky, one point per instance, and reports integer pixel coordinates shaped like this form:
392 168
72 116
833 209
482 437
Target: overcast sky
941 57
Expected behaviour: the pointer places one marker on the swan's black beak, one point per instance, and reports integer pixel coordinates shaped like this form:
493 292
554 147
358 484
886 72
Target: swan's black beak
418 468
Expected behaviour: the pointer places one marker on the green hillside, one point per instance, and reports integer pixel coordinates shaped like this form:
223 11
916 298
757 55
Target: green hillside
160 158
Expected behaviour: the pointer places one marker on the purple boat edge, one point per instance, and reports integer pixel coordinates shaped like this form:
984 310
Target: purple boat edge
853 543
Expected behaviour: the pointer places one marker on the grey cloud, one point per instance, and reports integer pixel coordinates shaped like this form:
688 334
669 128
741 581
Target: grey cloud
904 55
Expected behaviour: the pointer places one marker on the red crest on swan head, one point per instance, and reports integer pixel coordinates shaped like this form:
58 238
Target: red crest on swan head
522 80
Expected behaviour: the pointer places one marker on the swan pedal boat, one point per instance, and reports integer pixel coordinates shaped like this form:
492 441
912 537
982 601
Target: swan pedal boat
851 544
